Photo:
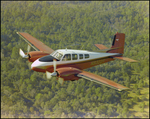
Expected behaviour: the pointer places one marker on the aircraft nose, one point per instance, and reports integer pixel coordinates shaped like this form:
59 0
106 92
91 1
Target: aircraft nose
34 64
38 66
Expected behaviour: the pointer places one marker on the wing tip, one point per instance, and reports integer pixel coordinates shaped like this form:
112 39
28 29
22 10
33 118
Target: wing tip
121 89
135 61
20 32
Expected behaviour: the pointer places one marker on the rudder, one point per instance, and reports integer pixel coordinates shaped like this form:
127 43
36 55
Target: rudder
118 43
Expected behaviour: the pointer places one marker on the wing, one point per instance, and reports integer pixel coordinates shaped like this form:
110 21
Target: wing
33 42
101 80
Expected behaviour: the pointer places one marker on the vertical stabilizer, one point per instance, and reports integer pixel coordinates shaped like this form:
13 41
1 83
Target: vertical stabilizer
118 43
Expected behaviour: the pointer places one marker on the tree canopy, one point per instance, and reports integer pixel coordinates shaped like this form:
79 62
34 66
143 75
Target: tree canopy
61 24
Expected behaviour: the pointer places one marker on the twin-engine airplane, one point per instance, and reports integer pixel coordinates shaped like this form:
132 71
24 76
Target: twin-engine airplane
69 64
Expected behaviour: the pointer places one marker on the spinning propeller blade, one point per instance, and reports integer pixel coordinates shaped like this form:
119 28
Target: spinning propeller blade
61 80
54 65
48 75
28 48
22 54
54 74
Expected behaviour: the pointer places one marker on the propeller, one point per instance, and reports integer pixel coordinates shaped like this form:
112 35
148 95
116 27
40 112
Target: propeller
54 74
61 80
22 54
28 48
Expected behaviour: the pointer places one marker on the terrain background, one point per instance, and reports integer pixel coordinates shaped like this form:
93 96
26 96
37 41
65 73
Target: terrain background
26 93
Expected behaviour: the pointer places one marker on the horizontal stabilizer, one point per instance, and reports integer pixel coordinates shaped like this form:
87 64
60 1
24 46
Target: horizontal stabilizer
107 50
100 46
126 59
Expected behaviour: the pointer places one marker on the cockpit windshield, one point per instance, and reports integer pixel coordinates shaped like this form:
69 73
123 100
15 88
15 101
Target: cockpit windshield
57 55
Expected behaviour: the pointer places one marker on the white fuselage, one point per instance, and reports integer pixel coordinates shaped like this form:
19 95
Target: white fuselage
81 56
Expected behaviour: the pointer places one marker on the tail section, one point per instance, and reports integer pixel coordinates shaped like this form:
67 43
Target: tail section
117 47
118 43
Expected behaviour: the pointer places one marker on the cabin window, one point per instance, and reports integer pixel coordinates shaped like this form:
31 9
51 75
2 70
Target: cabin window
74 56
53 53
48 58
80 56
58 55
67 57
86 56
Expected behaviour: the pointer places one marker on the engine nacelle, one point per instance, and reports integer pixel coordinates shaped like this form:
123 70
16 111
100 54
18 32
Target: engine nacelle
68 73
34 55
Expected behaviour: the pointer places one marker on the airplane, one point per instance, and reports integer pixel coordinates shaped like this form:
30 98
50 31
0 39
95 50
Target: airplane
69 64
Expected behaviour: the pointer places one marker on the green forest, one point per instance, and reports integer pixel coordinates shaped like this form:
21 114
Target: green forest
26 93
